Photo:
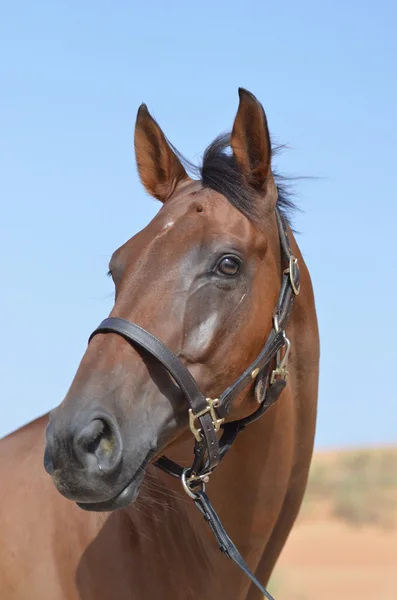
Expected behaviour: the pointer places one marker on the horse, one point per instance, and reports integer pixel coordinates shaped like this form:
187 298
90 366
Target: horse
201 283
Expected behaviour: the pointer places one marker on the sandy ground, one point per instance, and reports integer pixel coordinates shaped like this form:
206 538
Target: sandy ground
326 559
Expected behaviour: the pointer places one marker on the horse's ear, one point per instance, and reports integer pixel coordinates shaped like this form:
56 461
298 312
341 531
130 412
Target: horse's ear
159 168
250 140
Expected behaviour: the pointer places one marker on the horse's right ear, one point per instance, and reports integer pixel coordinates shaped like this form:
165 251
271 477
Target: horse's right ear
159 167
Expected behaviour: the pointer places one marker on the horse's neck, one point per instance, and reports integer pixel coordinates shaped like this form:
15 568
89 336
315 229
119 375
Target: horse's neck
239 490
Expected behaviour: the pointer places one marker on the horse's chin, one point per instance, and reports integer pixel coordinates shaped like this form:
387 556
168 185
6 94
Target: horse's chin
127 496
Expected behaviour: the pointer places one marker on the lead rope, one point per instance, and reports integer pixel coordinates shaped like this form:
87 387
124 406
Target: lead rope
224 542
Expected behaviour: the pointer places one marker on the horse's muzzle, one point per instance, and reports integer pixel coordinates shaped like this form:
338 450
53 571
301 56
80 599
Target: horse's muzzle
85 460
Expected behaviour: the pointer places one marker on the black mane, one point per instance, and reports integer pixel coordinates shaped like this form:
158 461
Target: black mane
220 172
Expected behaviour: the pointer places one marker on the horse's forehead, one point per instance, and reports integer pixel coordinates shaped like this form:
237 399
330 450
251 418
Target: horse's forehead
187 216
186 210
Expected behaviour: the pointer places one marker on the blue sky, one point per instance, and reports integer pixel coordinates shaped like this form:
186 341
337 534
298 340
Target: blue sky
72 77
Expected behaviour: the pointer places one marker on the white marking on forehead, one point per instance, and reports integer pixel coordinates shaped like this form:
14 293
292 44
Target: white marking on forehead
168 225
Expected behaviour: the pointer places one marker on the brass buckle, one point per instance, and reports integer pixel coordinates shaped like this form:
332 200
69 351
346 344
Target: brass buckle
281 370
293 264
212 404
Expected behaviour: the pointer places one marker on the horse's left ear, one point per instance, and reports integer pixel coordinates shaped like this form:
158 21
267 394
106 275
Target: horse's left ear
250 141
159 167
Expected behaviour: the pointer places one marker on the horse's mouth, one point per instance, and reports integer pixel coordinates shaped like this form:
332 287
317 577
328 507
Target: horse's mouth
127 496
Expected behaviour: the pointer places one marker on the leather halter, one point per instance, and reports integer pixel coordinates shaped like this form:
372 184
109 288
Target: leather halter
209 413
206 415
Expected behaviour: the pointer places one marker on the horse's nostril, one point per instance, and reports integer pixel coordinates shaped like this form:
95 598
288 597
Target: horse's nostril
91 436
99 441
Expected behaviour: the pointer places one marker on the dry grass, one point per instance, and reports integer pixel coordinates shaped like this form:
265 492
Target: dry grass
344 544
356 487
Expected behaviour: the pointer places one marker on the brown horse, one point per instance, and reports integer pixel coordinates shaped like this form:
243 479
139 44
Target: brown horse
204 277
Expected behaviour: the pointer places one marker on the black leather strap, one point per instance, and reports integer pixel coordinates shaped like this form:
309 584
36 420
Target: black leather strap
136 334
229 433
283 234
169 466
224 542
272 394
197 401
274 343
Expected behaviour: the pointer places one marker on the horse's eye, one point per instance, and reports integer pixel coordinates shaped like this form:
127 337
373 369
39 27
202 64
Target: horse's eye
228 266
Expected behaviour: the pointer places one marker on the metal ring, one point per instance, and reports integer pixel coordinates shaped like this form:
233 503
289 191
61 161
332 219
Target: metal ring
275 322
185 483
293 265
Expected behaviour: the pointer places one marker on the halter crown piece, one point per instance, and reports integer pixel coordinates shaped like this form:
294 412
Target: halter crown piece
207 415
